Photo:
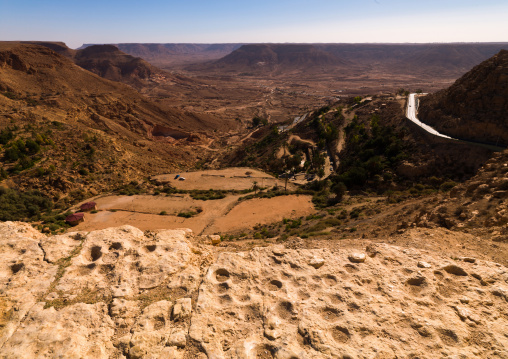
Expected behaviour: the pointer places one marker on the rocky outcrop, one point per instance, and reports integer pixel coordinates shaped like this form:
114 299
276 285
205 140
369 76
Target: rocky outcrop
122 293
479 202
475 107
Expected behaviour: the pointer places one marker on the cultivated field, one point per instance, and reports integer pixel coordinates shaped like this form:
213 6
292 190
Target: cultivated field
229 214
238 178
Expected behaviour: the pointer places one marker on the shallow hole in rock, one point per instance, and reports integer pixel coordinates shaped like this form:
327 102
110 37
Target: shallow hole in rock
302 294
151 247
274 285
223 287
276 260
226 344
351 268
221 275
330 279
353 306
226 298
329 313
91 266
265 352
95 253
287 275
456 270
159 323
110 257
438 274
285 310
116 246
358 295
416 281
449 337
340 334
244 298
17 267
336 298
316 279
106 268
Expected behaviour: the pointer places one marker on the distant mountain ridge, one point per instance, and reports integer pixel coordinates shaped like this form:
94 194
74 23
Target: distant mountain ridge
162 55
446 58
286 55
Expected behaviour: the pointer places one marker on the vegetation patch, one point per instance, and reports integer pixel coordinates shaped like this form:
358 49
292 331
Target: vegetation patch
207 195
187 214
23 206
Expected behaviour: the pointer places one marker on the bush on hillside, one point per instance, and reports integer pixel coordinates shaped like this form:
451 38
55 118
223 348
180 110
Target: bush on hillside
22 206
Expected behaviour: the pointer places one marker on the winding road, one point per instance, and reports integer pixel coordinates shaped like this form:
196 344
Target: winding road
411 111
411 115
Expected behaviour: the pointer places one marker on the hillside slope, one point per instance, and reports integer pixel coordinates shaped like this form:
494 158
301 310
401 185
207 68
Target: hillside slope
475 107
89 129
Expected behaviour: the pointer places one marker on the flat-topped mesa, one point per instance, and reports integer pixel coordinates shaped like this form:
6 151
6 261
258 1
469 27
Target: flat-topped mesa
264 57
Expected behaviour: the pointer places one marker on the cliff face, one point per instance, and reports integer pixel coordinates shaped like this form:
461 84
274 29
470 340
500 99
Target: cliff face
121 293
475 107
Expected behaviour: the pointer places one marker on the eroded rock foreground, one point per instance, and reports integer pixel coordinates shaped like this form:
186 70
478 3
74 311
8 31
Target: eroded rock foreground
122 293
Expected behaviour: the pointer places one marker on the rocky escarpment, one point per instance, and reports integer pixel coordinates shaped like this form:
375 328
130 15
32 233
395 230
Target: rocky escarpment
477 203
122 293
475 107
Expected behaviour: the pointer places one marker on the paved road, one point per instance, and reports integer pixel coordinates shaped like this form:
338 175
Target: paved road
411 114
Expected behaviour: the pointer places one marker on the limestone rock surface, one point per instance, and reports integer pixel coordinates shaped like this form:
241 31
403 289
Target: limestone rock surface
122 293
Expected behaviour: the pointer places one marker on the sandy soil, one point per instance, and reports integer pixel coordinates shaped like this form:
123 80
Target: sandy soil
217 216
150 204
226 179
263 211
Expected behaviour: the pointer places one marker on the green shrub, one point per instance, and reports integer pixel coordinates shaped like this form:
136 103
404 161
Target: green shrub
10 95
12 154
207 195
20 206
5 136
342 214
292 223
355 213
188 214
32 146
318 227
446 186
333 222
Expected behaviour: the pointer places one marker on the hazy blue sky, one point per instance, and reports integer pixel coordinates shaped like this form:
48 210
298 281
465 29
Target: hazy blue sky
111 21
